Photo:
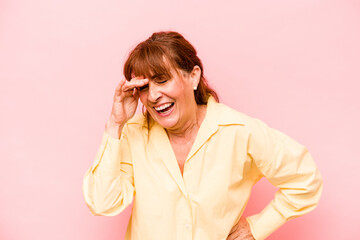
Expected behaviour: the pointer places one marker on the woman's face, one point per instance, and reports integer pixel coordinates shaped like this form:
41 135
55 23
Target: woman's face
171 102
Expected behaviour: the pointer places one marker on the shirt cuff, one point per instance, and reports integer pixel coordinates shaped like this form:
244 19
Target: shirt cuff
266 222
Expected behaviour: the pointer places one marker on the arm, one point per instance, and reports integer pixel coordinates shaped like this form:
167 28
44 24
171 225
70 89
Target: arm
289 166
108 185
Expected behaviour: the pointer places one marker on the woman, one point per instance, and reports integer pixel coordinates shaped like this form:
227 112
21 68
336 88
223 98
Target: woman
190 162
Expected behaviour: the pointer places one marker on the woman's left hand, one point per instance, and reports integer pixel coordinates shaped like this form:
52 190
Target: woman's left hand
241 231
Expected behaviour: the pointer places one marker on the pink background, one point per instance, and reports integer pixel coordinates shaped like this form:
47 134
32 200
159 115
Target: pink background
293 64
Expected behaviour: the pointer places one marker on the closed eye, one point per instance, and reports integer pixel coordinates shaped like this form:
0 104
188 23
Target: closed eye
159 78
143 87
162 81
157 81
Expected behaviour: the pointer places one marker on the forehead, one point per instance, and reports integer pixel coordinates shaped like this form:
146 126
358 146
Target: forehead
160 69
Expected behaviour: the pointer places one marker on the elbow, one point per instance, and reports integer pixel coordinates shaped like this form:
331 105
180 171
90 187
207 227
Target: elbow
96 208
313 193
103 208
97 205
303 198
107 196
107 205
318 189
313 186
99 210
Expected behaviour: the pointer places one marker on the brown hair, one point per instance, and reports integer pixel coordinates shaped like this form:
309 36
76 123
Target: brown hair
161 52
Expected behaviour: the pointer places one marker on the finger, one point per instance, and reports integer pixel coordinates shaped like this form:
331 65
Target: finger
134 83
119 86
244 223
136 93
232 236
234 228
244 229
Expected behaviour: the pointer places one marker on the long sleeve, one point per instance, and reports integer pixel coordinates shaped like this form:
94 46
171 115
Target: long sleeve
289 166
108 185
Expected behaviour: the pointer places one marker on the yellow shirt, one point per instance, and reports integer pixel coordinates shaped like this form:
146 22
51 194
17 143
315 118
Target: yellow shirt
232 151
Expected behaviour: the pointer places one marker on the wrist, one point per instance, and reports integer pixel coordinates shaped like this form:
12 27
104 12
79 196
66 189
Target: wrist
112 124
113 129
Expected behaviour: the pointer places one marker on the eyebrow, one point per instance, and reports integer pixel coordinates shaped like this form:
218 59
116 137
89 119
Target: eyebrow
158 75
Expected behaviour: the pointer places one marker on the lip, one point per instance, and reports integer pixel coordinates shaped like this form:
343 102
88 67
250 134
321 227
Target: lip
162 104
166 113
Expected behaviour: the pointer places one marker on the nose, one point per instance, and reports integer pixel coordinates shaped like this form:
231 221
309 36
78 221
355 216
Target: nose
154 94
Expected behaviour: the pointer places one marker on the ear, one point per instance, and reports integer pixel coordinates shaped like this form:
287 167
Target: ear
195 76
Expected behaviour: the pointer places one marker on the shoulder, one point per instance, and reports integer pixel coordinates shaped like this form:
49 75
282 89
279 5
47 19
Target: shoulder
255 128
227 115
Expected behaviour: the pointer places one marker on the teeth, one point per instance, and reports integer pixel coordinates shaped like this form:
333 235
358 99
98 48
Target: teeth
162 107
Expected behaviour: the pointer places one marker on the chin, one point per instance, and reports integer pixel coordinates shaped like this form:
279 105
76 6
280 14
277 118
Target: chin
166 122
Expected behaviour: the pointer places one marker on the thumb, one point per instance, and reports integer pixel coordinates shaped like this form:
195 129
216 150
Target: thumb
136 94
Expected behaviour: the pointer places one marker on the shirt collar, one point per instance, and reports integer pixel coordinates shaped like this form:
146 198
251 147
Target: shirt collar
216 115
221 114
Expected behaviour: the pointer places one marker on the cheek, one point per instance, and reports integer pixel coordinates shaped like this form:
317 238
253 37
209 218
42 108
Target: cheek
177 90
143 97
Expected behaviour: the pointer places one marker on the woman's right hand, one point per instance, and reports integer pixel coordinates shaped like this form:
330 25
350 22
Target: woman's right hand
125 102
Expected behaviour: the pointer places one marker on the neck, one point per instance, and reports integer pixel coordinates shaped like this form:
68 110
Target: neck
191 127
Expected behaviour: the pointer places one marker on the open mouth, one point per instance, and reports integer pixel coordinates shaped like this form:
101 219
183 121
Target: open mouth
165 108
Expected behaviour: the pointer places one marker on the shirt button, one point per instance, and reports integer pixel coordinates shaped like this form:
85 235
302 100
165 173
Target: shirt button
187 226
